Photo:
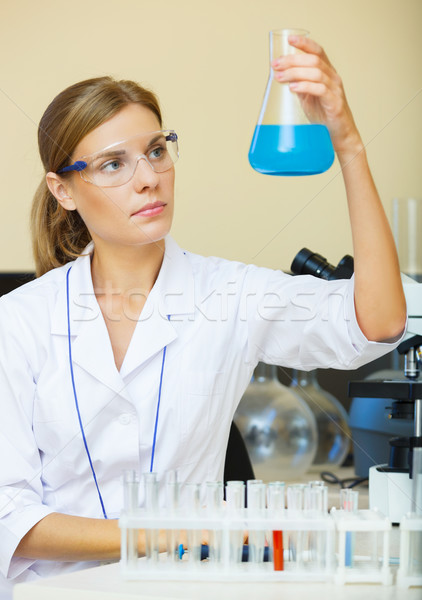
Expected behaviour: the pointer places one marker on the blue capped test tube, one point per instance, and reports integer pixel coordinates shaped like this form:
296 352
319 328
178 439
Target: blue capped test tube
172 504
193 504
256 505
214 500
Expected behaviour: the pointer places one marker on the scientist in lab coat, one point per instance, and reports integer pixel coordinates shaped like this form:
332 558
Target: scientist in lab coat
128 352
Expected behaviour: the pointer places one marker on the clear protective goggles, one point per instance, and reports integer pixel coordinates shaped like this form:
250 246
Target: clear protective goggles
116 164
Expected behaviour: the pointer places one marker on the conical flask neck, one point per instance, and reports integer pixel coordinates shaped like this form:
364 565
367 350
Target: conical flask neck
264 372
304 378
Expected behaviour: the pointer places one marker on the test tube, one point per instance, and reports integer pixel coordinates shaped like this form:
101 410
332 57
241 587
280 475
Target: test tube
316 507
131 491
235 497
295 497
193 498
256 505
349 503
131 503
315 499
214 495
275 502
295 503
172 503
151 506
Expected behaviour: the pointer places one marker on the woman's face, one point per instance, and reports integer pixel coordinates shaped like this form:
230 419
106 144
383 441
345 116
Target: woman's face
115 215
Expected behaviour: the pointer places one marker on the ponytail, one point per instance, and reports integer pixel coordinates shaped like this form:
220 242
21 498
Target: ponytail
58 235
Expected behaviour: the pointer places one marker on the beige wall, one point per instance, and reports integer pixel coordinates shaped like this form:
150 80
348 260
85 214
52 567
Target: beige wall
208 61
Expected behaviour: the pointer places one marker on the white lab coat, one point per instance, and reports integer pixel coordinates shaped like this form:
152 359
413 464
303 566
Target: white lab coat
224 318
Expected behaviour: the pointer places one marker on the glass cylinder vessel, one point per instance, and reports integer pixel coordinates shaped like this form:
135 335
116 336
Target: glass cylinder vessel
278 427
331 419
284 141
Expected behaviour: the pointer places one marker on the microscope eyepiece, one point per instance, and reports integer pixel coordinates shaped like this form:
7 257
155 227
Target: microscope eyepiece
307 262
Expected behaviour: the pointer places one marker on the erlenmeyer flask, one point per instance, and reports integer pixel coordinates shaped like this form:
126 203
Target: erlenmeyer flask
331 418
277 426
284 141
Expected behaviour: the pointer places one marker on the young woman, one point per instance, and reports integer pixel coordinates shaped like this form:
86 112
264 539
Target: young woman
128 352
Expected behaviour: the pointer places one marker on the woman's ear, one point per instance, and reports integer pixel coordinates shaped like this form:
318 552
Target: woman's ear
61 191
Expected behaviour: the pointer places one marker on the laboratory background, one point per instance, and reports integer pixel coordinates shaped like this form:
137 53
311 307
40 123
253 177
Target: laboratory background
208 61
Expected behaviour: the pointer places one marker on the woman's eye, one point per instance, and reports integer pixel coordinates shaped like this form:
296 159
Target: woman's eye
157 153
110 166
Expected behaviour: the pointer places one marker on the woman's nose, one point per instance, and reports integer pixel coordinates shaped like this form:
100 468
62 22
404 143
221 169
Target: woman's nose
144 175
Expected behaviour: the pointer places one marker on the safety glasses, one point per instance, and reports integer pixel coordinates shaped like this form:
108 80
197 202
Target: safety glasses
116 164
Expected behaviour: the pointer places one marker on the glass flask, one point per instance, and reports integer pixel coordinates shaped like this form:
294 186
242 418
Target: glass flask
284 141
331 418
278 427
407 227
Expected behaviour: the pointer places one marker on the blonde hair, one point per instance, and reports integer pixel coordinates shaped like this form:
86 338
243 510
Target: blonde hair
59 235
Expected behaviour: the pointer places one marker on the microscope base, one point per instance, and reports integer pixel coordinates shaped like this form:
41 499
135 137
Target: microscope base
390 492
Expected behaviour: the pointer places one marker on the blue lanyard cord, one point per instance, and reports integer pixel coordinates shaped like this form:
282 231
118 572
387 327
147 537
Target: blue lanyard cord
158 408
76 398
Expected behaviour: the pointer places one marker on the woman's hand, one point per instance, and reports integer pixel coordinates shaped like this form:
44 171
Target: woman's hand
311 75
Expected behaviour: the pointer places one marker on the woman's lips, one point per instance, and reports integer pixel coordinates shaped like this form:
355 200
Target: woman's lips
150 210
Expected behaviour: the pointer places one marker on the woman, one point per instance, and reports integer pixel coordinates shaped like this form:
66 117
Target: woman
135 355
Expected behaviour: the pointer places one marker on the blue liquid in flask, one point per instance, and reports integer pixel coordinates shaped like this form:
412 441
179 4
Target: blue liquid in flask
291 149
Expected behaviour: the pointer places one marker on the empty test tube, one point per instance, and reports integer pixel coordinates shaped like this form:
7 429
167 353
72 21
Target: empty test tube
151 506
131 503
235 497
275 503
256 505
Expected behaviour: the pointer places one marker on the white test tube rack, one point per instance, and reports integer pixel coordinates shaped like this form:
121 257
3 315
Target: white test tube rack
308 534
299 564
409 573
352 568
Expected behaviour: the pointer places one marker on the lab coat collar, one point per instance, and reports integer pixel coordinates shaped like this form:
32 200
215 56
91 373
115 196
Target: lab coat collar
172 294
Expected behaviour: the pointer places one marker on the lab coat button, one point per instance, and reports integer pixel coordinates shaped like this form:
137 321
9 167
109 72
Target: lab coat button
125 419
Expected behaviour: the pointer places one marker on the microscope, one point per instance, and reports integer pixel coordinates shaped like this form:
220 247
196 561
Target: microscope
394 488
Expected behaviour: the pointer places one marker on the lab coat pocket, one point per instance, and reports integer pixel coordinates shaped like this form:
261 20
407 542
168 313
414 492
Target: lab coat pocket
202 399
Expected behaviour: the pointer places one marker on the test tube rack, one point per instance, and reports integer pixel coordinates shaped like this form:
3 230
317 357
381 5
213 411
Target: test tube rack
410 570
308 546
373 566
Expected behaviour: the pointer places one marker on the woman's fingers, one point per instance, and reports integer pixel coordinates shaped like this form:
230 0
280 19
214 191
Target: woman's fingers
303 74
308 46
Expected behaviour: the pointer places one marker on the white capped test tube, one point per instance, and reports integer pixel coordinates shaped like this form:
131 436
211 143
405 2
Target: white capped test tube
131 504
193 504
235 498
214 498
256 505
151 506
172 504
275 504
